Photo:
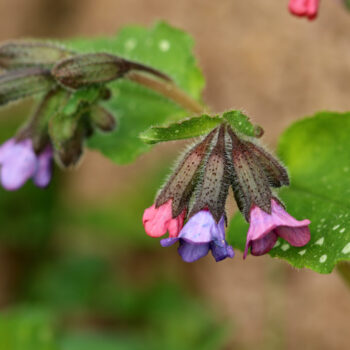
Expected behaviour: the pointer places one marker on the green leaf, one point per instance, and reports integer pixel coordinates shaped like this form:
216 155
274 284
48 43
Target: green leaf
241 123
317 153
188 128
136 107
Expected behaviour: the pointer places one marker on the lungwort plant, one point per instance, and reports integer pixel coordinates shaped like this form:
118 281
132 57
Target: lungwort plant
121 95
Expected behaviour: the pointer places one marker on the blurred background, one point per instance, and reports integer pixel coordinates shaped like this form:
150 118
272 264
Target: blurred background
77 271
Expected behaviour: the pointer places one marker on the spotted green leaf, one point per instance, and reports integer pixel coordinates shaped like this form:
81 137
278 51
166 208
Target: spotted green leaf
188 128
316 151
136 108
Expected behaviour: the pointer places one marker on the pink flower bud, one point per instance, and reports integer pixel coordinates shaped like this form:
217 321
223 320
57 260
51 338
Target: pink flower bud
304 8
157 221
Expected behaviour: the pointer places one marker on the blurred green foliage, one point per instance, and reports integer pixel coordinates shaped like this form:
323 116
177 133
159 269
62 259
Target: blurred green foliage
64 298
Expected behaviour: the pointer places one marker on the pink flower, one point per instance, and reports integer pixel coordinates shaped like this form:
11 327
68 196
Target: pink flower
265 228
19 163
157 221
304 8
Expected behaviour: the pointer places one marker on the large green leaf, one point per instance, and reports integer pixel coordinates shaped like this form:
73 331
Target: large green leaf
136 107
316 151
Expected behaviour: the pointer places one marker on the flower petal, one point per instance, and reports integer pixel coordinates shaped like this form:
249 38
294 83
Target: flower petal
192 252
199 228
5 149
156 220
43 173
167 242
19 165
295 236
221 252
263 245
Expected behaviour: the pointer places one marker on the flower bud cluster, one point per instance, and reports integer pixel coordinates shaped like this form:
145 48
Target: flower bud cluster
55 131
197 192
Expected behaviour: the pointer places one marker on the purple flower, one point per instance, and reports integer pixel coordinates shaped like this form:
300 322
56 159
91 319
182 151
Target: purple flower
200 234
265 229
19 162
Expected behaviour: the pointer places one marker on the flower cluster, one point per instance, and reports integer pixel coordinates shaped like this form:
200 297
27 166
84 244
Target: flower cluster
64 118
304 8
197 192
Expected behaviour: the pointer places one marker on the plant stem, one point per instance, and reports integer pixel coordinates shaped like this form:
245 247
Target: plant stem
169 90
344 271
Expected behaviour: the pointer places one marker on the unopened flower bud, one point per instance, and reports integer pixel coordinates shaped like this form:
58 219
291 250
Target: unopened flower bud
22 54
18 84
37 127
97 68
68 133
304 8
102 119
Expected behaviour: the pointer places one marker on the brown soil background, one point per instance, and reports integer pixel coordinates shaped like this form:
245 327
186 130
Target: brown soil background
277 68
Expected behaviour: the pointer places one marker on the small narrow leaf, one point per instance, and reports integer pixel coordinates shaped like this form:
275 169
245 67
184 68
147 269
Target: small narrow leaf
188 128
241 124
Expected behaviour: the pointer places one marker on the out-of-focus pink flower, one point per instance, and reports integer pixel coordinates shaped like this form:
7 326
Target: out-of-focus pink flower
304 8
265 228
157 221
19 163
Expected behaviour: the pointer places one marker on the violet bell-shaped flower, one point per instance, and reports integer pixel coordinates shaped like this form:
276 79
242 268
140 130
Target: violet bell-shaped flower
201 234
304 8
265 229
158 220
19 163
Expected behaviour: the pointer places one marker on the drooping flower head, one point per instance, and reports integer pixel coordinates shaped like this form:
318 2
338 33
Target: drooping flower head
304 8
265 229
198 189
201 234
256 172
200 176
19 163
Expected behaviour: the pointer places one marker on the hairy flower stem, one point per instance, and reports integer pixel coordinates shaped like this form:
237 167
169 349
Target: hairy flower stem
343 269
168 90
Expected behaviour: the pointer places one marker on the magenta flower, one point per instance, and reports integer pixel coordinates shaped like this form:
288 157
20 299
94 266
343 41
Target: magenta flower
265 228
304 8
19 162
201 234
157 221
